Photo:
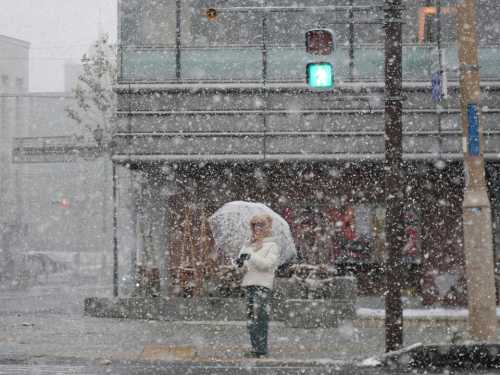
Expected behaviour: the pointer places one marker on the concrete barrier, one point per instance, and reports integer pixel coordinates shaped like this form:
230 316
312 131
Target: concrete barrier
288 305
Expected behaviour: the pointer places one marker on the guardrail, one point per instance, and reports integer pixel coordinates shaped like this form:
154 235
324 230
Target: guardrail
301 145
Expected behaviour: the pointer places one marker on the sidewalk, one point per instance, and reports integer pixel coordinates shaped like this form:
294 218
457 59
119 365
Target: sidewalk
55 335
53 326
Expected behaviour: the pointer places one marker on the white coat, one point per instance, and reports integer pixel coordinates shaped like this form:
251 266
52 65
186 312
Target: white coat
261 265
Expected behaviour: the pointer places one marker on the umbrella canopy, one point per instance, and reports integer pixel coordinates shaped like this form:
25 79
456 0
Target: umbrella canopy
230 227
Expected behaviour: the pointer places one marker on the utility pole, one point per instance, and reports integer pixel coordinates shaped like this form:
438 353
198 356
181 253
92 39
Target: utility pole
394 196
478 241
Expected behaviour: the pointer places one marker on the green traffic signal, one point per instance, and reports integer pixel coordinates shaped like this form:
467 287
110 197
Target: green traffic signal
320 75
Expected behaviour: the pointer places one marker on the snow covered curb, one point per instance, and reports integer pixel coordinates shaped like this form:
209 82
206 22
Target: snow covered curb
419 314
379 360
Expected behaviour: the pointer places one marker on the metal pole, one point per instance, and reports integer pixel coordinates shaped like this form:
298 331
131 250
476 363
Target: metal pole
264 48
115 234
351 41
178 17
394 196
478 239
439 46
105 196
441 77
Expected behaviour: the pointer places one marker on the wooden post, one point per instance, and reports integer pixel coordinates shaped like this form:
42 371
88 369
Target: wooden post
478 237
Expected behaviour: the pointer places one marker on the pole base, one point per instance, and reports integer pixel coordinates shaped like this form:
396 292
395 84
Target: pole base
458 356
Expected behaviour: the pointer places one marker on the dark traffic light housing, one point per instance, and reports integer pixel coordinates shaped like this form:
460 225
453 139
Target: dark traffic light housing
319 75
319 42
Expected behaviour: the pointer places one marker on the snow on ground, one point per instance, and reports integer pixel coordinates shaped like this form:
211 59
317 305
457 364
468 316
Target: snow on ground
370 362
436 312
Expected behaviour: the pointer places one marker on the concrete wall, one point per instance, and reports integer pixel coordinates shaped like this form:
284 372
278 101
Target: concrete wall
257 124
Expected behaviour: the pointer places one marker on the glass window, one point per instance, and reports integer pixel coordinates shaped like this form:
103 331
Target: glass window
228 28
329 234
224 64
147 22
369 62
288 64
488 27
154 65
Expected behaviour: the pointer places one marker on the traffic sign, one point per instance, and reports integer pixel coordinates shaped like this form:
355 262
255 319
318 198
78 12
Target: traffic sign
473 140
437 87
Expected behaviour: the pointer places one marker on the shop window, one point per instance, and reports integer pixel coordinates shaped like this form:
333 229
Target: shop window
348 234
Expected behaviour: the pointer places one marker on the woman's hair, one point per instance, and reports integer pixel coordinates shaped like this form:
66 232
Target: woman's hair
264 219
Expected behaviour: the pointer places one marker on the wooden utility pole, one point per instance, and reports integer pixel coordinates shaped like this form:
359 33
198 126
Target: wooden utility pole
478 241
394 197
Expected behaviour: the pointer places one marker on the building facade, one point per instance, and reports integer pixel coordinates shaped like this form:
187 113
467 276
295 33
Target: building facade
14 80
14 65
56 185
215 110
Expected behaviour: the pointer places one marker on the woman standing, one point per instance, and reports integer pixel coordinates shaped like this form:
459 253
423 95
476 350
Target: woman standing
259 259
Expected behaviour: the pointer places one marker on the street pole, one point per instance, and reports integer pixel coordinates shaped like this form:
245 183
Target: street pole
478 241
115 232
394 197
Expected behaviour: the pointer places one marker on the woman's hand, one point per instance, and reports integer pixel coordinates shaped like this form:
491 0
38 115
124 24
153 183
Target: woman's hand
241 259
243 269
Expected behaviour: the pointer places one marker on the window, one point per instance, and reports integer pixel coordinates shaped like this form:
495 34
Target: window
148 22
5 81
19 84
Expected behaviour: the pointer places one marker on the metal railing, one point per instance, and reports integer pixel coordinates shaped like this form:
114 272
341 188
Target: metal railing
58 145
50 142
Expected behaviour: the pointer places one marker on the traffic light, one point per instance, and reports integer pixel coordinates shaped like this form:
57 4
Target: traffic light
64 203
319 42
319 75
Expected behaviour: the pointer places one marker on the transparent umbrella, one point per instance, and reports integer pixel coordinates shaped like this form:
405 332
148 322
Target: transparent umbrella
231 229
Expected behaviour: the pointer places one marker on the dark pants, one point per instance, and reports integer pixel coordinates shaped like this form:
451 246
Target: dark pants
258 305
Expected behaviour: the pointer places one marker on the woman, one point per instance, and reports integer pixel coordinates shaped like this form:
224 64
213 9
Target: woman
259 260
